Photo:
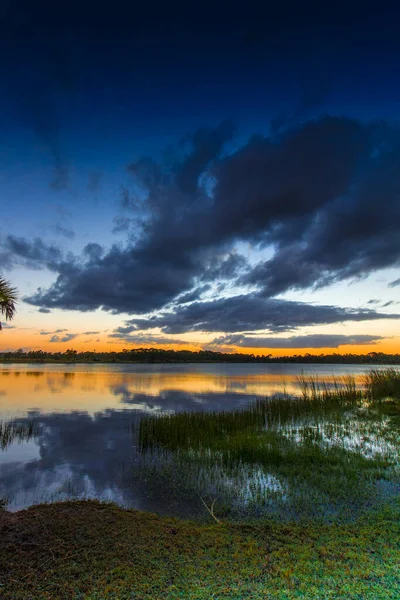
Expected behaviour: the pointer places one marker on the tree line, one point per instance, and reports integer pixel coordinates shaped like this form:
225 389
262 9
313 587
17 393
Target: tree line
159 355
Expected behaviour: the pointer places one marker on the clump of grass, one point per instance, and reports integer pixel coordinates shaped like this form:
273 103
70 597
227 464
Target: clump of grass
382 383
16 430
339 393
187 429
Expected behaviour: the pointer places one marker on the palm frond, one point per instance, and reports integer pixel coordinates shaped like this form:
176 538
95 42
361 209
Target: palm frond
8 299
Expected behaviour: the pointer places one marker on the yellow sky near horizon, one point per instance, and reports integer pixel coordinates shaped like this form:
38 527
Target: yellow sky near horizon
12 339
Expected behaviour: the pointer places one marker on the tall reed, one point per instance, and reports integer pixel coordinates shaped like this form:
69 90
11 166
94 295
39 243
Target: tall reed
382 383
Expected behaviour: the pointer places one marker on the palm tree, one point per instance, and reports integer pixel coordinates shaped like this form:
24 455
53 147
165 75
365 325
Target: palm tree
8 298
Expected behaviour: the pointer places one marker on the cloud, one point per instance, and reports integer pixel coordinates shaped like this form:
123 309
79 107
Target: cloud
206 145
90 332
299 341
194 294
146 339
121 224
394 283
63 338
64 231
34 254
321 196
249 312
51 332
44 310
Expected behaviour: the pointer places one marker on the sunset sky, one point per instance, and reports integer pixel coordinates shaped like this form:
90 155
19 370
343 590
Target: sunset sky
222 179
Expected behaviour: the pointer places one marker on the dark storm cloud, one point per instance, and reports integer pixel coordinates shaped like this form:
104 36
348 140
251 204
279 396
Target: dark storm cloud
34 254
121 281
206 145
248 313
322 196
226 268
299 341
44 310
194 294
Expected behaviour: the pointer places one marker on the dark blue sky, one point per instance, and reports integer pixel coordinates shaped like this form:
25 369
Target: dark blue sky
89 90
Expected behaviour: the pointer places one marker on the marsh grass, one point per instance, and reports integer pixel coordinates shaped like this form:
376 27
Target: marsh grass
14 430
382 383
324 453
185 429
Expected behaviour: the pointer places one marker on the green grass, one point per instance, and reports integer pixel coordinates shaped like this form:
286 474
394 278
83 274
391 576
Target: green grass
90 551
383 383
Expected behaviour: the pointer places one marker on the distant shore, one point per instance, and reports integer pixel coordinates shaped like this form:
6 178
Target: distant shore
160 356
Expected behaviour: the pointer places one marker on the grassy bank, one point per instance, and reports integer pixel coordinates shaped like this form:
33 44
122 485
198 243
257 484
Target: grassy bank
90 551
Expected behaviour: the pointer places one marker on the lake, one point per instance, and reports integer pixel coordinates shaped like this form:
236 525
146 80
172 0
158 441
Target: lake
80 428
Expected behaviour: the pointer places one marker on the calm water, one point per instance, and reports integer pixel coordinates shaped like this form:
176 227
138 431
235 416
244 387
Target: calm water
84 446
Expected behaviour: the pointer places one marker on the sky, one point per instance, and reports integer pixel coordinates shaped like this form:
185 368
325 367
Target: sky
201 176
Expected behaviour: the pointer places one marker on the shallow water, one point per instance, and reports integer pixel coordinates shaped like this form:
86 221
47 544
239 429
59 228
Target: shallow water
84 443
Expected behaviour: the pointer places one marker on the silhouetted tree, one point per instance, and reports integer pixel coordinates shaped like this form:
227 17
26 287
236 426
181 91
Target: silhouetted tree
8 299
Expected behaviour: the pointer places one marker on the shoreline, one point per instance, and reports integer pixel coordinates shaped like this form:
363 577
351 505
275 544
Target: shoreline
196 362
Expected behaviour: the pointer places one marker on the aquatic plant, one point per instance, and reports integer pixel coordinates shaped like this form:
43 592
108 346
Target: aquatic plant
382 383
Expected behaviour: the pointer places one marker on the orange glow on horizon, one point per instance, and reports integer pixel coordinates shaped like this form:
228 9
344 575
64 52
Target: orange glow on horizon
13 339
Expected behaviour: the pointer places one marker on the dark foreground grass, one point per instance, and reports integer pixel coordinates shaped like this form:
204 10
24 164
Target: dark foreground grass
92 551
